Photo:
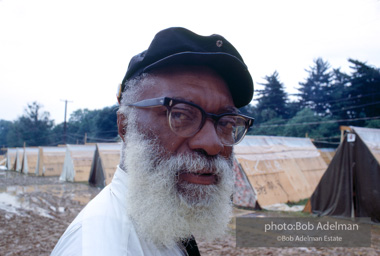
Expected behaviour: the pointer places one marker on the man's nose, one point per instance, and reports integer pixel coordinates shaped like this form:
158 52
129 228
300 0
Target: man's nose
207 140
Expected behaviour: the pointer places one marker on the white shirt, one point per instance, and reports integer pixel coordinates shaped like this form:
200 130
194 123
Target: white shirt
104 228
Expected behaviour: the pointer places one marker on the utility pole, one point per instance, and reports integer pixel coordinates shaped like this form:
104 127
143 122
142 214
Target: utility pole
65 124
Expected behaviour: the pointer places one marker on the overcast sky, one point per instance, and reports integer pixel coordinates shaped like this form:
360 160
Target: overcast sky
79 50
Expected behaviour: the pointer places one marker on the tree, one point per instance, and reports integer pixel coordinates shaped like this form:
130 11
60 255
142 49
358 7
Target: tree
33 128
363 93
106 123
299 125
57 135
338 102
273 127
99 125
5 127
248 110
316 91
81 123
272 100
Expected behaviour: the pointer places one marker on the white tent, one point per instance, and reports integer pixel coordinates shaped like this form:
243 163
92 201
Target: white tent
77 164
19 153
29 161
11 157
280 169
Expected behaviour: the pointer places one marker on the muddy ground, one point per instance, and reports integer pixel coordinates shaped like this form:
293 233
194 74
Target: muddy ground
35 211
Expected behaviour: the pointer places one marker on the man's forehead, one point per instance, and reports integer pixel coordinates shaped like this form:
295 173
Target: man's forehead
192 83
183 77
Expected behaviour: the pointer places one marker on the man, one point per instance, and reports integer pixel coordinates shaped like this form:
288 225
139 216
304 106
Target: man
178 120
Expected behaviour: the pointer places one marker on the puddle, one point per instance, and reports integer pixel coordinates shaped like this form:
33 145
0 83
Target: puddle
16 205
44 200
9 203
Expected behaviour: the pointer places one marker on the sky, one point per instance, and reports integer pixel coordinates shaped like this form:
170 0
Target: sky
79 50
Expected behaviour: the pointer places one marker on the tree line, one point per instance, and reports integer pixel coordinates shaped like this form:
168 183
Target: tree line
326 99
35 128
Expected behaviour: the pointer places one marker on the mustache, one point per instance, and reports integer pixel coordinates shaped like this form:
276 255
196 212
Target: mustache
195 162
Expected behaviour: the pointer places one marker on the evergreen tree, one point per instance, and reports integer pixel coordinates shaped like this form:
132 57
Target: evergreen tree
316 91
363 94
272 100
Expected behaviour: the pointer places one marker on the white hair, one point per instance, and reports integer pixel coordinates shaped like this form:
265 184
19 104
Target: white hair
132 90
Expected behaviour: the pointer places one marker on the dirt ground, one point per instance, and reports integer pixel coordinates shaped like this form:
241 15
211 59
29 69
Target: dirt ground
35 211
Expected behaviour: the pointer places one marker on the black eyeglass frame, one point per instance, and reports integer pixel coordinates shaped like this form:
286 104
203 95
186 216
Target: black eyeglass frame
170 102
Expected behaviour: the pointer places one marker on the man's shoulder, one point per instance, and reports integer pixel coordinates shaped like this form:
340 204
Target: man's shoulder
110 202
103 226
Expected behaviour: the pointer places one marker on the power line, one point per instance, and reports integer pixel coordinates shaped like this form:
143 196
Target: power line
76 137
322 122
360 106
336 101
331 111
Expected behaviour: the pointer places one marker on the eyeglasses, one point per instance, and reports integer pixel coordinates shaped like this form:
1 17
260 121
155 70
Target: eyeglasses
186 119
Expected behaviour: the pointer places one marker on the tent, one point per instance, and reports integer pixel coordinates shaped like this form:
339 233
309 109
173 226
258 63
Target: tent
50 161
106 158
29 160
351 185
18 159
3 159
280 169
244 194
11 157
77 163
327 154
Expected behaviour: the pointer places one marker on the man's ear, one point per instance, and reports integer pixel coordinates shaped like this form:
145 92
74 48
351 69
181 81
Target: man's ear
121 125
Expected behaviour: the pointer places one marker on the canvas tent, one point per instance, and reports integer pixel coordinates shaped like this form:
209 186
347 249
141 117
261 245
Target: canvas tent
77 163
351 185
280 169
29 160
327 154
50 161
3 159
106 158
11 157
18 160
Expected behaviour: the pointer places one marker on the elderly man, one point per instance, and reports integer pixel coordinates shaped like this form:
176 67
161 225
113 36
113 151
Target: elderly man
178 119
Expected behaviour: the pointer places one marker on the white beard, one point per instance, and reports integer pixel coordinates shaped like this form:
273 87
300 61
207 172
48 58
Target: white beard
161 213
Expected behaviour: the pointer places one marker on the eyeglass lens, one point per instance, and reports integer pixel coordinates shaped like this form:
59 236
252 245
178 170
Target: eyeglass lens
186 120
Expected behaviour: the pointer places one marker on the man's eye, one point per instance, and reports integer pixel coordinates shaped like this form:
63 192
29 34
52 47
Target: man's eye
227 123
181 115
